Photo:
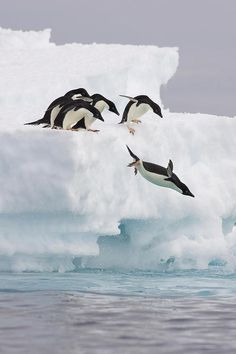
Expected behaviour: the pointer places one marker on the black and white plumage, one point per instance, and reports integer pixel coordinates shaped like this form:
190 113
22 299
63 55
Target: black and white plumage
100 102
72 113
136 108
161 176
55 107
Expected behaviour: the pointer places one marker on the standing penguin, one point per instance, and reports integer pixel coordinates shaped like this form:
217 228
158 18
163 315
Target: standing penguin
100 102
137 107
55 107
159 175
72 113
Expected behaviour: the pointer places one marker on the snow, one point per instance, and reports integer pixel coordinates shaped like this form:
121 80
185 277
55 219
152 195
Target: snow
61 191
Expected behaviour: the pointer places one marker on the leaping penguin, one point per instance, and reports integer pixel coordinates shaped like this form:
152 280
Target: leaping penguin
100 102
55 107
137 107
72 113
159 175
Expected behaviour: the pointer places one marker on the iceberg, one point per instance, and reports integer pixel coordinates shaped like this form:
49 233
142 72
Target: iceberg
67 198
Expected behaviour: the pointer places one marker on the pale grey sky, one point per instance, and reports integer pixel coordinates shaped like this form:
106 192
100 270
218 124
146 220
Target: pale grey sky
204 31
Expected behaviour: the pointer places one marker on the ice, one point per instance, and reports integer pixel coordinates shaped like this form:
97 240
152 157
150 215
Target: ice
62 192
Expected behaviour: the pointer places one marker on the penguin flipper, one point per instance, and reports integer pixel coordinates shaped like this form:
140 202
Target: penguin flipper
130 98
126 111
170 169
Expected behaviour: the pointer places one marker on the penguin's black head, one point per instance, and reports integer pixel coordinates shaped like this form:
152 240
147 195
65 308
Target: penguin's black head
97 97
76 93
112 107
96 113
156 109
145 99
186 191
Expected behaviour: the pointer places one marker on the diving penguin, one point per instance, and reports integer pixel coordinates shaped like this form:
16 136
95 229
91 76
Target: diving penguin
159 175
137 107
77 111
55 107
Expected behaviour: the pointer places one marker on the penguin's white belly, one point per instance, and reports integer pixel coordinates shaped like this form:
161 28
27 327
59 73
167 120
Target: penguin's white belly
101 105
72 117
54 114
136 112
159 180
89 120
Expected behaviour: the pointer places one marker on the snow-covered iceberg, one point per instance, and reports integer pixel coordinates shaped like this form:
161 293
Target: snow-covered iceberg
63 192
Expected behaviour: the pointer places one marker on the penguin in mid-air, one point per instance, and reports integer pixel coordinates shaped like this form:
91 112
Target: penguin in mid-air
55 107
137 107
72 113
161 176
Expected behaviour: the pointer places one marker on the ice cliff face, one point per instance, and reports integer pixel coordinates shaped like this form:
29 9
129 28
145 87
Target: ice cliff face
61 190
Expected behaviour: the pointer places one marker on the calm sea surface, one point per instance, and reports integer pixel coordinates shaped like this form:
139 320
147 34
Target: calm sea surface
96 311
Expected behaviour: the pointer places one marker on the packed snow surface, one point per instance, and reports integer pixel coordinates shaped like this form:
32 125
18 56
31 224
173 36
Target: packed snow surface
62 192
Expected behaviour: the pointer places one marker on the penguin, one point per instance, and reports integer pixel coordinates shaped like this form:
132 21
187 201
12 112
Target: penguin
137 107
161 176
77 111
100 102
55 107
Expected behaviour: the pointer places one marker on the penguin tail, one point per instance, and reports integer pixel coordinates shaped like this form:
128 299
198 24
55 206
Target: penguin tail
136 158
36 122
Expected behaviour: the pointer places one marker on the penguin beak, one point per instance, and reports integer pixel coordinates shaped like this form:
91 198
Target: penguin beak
101 118
114 110
158 112
189 194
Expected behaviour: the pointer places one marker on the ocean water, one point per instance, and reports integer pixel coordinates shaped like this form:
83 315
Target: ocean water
111 311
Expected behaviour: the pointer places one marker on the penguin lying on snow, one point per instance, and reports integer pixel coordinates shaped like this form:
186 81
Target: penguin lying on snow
159 175
55 107
72 113
137 107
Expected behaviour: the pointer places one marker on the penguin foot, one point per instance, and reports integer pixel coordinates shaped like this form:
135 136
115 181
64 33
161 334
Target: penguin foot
131 130
93 130
136 121
72 130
